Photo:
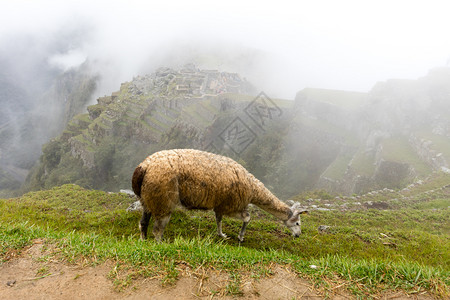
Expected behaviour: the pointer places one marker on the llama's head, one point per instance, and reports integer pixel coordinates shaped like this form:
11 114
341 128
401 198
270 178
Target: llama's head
294 223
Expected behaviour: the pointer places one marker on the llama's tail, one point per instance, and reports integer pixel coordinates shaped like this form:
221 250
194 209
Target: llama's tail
136 181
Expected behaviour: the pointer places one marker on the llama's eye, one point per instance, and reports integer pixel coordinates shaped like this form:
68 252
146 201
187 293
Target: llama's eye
298 223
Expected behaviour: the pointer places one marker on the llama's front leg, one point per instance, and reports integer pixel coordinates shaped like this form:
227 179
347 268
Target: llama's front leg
143 224
158 227
219 225
246 219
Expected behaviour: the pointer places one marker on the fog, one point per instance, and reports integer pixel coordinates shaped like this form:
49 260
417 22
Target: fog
281 46
53 50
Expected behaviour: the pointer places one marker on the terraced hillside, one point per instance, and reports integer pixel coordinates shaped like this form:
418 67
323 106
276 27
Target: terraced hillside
185 108
344 142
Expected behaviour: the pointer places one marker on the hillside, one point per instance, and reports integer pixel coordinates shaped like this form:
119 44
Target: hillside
341 141
187 108
382 244
397 132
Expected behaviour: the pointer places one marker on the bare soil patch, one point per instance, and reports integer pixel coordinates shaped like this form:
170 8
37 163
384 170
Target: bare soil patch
35 275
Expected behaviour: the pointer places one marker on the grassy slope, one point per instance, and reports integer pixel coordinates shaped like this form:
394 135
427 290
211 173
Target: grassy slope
344 99
440 144
398 149
363 163
369 250
336 170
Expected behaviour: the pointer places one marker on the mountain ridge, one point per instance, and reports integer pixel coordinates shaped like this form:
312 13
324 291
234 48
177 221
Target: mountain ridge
346 142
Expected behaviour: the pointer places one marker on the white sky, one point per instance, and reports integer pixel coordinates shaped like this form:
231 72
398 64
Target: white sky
282 46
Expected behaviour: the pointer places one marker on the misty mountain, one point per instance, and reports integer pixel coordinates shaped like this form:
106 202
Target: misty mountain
402 131
34 113
345 142
41 89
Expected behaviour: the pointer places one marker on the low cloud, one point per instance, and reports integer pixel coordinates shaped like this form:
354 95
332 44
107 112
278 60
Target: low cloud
69 60
280 47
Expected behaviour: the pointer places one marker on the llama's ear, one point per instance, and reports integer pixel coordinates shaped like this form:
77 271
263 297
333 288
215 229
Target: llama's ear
297 209
296 206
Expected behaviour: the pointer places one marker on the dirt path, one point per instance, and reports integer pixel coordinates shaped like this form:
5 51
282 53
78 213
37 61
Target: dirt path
33 276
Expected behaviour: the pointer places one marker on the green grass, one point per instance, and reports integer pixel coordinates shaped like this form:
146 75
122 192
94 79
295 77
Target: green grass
82 139
99 122
324 126
207 105
398 149
343 99
191 113
440 143
157 122
369 251
363 163
336 170
83 118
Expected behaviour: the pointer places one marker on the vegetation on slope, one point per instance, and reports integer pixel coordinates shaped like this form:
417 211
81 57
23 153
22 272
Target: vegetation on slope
367 251
398 149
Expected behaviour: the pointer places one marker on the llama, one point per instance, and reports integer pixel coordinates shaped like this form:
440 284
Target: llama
196 179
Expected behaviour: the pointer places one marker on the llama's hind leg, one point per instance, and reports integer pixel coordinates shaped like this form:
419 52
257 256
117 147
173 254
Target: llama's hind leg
143 224
158 227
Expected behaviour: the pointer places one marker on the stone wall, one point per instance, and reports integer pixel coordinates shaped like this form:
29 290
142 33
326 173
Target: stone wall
424 149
